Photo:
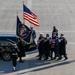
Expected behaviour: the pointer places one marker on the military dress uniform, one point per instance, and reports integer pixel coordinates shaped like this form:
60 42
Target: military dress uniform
14 57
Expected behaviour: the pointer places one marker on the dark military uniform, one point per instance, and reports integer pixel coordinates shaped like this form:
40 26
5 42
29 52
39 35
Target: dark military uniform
21 53
14 57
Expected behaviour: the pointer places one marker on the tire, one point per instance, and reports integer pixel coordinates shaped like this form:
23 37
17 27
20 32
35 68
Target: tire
6 56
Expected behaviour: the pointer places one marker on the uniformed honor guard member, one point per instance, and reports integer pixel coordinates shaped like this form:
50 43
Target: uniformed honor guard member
14 56
21 48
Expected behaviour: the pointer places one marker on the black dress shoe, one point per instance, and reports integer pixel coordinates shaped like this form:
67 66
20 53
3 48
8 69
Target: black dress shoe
65 58
54 58
59 58
45 58
37 56
39 59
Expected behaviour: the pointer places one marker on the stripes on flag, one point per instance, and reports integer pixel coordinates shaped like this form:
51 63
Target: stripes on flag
30 16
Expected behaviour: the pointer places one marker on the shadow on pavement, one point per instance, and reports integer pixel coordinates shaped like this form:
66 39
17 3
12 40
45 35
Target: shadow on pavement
30 52
48 67
34 63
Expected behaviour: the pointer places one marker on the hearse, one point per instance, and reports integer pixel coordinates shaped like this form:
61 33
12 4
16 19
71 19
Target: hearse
6 44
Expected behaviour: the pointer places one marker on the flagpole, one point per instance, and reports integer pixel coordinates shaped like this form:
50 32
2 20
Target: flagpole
23 14
17 13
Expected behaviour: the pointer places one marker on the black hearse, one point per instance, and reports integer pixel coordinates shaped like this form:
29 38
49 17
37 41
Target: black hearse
6 44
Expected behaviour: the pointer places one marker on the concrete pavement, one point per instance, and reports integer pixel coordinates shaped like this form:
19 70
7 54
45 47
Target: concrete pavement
44 67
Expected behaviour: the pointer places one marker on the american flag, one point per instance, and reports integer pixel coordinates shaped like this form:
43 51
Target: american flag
30 16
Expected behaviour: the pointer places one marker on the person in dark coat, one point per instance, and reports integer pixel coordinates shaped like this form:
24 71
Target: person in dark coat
33 33
21 53
57 48
41 48
53 46
55 30
47 46
14 56
38 42
62 46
